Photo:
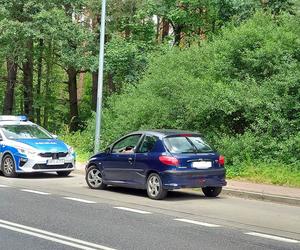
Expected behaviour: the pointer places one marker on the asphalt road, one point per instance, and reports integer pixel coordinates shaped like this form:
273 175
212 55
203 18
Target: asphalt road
48 212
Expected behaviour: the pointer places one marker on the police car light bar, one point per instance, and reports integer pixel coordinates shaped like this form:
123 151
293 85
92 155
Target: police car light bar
21 118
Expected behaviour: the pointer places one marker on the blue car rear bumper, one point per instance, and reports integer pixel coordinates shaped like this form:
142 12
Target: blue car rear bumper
176 179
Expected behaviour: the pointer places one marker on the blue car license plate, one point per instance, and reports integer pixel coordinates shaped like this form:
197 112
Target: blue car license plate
201 164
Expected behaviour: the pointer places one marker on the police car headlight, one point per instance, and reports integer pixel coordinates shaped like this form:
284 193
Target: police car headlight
26 151
70 150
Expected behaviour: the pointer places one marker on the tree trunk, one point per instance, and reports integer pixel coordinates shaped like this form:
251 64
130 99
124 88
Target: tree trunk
72 84
157 35
48 60
80 88
28 81
95 24
165 29
47 96
21 105
127 32
94 90
10 87
177 34
39 80
111 84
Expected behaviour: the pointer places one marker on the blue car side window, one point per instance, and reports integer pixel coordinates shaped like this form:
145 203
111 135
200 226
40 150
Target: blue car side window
127 145
148 144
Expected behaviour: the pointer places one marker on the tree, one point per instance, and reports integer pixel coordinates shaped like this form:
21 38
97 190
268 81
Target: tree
129 36
12 35
64 40
74 55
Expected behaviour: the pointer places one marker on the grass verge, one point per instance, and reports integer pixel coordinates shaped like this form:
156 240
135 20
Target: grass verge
272 173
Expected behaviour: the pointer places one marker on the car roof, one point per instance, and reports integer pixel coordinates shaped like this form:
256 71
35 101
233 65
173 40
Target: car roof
165 132
15 123
14 120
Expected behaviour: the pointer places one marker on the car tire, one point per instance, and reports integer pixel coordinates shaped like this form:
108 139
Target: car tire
155 189
63 173
8 166
211 191
93 178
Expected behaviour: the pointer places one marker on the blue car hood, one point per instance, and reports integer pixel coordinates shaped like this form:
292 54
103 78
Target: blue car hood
45 145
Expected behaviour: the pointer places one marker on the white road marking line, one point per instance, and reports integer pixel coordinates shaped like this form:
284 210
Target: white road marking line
46 237
52 236
34 192
80 200
272 237
198 223
133 210
3 186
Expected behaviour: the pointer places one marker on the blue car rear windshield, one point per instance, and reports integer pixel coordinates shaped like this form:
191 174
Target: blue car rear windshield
187 145
15 132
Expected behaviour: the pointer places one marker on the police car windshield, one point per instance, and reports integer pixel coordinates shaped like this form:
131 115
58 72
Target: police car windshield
15 132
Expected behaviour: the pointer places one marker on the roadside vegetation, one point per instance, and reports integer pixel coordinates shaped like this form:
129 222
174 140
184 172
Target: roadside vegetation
228 69
241 90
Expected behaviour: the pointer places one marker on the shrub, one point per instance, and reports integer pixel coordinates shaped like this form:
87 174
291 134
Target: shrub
241 90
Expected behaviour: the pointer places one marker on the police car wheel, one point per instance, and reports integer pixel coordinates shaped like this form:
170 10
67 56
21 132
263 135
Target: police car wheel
8 166
63 173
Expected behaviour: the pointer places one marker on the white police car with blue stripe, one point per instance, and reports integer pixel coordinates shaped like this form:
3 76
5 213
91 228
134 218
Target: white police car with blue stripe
26 148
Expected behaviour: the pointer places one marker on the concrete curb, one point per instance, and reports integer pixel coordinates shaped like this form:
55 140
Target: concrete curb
242 194
261 196
79 171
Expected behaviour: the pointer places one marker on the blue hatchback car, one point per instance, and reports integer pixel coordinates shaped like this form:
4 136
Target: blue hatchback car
158 161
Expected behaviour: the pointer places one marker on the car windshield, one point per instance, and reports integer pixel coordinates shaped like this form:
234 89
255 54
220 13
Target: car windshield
15 132
187 145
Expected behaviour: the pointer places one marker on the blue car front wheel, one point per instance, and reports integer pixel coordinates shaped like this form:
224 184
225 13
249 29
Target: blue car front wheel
94 178
8 166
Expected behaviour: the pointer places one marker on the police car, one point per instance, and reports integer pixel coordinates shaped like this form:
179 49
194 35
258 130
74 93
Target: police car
26 147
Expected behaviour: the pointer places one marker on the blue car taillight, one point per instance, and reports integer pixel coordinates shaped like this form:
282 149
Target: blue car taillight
221 160
169 160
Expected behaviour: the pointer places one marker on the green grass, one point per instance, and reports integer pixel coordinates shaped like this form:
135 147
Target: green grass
273 173
82 156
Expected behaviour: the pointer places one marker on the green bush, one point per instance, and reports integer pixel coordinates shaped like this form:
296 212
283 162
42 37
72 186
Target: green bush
241 90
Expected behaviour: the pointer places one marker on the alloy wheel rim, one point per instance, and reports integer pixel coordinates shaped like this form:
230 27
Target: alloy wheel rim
154 186
8 166
95 178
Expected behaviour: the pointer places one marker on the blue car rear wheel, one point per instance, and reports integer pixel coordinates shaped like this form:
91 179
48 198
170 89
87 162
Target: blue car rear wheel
211 191
155 187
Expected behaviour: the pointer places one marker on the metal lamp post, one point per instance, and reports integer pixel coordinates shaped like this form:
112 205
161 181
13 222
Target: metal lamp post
100 78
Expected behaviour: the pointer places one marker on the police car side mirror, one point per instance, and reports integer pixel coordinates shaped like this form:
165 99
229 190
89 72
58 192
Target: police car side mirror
54 136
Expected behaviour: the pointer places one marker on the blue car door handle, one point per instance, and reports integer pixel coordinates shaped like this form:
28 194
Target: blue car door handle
130 160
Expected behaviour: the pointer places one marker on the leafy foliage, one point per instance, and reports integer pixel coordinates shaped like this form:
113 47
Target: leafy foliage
227 68
242 91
